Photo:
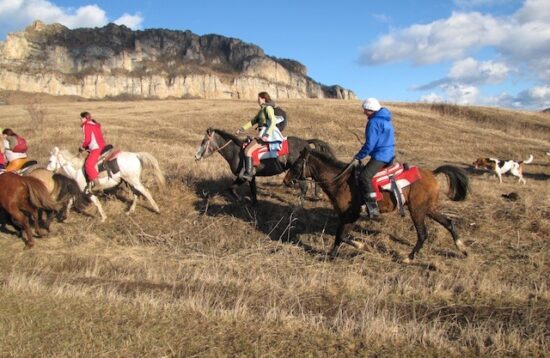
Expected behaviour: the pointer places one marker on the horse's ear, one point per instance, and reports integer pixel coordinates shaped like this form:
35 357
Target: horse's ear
209 131
55 150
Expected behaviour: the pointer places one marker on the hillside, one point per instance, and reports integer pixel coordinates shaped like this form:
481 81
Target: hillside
214 277
114 61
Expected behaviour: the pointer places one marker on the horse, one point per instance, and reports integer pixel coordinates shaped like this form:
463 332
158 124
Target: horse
21 196
230 148
337 179
62 189
130 167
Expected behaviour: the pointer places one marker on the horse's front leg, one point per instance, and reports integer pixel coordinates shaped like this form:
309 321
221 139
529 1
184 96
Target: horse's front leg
96 202
303 192
341 236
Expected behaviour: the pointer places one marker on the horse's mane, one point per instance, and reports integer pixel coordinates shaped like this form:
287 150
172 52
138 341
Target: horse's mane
75 160
328 159
228 136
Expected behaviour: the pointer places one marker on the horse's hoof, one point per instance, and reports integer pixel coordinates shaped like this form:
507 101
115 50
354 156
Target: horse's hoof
407 261
461 247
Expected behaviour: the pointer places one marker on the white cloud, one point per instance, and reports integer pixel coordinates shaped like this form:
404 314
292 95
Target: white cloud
522 39
533 10
132 21
432 98
16 14
461 94
536 97
446 39
472 71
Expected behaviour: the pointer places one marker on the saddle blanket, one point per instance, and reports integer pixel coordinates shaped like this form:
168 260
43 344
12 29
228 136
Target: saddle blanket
402 175
272 150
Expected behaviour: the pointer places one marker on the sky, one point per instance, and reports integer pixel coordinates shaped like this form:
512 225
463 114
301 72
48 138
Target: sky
475 52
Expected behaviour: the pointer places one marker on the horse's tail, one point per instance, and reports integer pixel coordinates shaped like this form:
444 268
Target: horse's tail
459 183
149 161
321 146
67 188
39 195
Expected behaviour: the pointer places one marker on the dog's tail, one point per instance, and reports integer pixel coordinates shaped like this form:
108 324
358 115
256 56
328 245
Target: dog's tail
528 160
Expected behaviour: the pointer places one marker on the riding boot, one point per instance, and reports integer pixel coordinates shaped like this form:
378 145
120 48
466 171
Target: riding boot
370 207
93 186
250 170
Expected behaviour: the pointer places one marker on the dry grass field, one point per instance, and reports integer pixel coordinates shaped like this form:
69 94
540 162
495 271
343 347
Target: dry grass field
214 277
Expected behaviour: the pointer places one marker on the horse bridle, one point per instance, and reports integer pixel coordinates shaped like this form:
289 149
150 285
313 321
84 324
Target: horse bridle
208 145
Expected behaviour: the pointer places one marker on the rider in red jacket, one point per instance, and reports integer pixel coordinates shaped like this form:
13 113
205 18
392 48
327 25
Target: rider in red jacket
94 143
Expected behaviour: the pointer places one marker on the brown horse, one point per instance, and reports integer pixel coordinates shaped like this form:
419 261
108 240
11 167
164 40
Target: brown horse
21 197
62 189
338 181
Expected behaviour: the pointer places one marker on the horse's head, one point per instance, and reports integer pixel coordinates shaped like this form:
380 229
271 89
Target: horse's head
299 170
54 162
210 144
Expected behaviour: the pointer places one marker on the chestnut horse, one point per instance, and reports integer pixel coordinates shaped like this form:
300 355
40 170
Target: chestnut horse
22 196
338 181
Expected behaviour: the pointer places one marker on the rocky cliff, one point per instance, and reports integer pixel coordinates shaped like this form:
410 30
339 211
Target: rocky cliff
115 61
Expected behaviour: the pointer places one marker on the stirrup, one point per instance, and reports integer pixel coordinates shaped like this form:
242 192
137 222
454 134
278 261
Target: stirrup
248 176
370 210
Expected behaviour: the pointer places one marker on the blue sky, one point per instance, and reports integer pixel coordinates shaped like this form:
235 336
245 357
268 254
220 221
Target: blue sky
485 52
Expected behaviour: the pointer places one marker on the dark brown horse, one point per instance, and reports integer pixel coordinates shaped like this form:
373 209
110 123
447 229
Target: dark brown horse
338 181
229 147
21 197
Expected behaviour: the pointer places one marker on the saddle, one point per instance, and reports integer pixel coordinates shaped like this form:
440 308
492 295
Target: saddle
269 150
393 179
107 164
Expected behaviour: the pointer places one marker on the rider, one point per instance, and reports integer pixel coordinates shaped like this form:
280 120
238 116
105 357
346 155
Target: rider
94 143
268 132
380 145
15 150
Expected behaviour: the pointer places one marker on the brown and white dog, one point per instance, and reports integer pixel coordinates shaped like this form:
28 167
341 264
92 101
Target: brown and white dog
500 167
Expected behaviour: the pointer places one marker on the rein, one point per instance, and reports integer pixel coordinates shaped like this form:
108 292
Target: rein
211 152
338 176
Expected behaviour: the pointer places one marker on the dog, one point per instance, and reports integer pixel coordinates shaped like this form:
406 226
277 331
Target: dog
503 166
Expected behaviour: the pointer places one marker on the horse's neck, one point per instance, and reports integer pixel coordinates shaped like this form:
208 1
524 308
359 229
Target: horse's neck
326 173
70 168
229 152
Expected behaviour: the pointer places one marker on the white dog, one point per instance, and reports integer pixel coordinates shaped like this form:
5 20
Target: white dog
503 166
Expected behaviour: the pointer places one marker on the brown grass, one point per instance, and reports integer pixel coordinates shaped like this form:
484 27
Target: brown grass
212 277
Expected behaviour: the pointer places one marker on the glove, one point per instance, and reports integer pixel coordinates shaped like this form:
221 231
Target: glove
355 162
81 149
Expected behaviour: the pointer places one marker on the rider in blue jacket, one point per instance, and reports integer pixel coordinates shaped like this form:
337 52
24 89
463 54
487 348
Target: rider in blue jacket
380 146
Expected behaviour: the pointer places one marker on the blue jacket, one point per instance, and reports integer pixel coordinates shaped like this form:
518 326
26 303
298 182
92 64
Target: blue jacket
379 138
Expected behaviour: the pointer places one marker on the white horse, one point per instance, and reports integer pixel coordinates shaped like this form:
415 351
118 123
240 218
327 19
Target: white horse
130 166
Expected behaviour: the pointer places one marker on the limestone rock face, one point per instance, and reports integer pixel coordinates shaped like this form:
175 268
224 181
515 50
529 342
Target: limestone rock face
115 61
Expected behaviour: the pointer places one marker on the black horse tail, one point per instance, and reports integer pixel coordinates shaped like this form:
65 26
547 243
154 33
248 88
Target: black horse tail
321 146
459 183
67 188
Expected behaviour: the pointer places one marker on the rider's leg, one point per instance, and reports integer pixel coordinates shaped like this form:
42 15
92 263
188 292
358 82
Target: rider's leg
249 168
91 170
367 190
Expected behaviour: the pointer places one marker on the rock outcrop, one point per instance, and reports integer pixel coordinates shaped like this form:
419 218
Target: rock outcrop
115 61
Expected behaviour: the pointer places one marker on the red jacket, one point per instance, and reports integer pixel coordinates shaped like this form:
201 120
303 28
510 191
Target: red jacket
93 138
2 160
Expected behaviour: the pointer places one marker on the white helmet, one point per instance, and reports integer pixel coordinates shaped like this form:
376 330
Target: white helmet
371 104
